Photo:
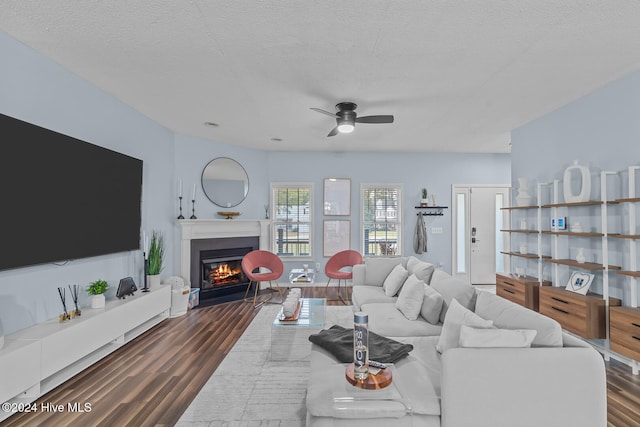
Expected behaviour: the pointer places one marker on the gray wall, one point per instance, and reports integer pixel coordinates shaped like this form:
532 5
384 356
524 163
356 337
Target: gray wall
600 130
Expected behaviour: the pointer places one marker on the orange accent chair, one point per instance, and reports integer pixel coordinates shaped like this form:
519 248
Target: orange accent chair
258 260
334 269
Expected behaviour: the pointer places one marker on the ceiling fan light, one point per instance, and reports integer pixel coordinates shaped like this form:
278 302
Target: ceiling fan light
345 127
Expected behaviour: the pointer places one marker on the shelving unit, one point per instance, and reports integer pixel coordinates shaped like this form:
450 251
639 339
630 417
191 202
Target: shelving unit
625 321
530 255
611 328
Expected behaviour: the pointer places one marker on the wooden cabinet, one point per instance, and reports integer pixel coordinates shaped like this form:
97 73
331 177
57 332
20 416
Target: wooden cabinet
624 331
584 315
523 290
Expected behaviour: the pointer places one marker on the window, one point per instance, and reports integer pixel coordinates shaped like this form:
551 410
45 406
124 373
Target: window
292 219
381 219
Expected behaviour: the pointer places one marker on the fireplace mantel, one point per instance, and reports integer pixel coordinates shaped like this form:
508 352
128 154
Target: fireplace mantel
192 229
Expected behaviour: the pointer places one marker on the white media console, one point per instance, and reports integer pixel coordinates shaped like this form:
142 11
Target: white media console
35 360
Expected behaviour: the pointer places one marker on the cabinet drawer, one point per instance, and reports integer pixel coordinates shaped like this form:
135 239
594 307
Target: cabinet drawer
523 290
512 291
624 331
583 315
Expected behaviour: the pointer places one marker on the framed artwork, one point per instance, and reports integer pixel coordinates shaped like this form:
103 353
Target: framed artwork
336 236
337 196
580 282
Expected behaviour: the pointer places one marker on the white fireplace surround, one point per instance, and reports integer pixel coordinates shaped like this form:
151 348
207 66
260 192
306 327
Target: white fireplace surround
192 229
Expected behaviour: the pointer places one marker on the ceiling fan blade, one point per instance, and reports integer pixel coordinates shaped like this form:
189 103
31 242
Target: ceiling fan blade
325 112
333 132
375 119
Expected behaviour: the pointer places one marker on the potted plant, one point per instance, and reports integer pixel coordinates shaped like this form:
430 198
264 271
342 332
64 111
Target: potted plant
424 201
156 256
97 290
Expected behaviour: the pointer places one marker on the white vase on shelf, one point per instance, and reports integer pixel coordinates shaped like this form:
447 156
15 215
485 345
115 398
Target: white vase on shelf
580 175
523 198
580 258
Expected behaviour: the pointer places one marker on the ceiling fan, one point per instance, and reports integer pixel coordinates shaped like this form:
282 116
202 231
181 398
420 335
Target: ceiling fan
346 118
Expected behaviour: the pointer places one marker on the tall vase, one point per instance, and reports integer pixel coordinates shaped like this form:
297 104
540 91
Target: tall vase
523 198
580 258
154 281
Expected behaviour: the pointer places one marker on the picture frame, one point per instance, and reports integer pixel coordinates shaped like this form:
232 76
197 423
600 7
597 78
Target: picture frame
337 197
580 282
336 235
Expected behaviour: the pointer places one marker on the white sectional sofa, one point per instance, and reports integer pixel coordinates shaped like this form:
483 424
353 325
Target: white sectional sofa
557 380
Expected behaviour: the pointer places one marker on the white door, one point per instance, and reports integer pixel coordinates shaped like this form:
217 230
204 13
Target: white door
477 240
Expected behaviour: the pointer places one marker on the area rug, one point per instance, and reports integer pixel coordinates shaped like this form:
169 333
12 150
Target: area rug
249 389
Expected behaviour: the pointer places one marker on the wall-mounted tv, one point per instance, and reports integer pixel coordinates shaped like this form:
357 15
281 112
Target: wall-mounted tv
63 198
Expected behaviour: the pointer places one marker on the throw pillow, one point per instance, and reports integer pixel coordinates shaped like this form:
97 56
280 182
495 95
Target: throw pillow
410 299
450 287
423 270
394 281
431 305
506 314
457 315
378 268
485 338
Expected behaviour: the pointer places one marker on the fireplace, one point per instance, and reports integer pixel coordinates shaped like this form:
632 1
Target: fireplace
212 235
217 267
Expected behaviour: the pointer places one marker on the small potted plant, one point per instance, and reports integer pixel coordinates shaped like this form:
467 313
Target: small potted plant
97 290
424 201
155 259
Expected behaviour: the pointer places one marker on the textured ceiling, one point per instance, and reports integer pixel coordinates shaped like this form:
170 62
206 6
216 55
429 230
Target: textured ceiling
457 75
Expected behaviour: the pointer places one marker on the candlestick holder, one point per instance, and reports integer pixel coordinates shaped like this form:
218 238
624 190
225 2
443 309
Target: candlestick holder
145 288
193 205
180 216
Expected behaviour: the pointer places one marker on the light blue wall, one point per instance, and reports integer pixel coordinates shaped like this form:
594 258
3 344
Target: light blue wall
37 90
602 131
435 171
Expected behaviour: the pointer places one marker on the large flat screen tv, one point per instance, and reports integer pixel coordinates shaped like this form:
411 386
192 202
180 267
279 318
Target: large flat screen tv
63 198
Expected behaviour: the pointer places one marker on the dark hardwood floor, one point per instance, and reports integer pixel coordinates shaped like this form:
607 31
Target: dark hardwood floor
152 380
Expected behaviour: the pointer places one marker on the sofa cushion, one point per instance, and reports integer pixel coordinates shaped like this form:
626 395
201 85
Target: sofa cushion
495 338
378 268
423 270
394 280
410 297
369 294
457 315
431 305
508 315
451 288
385 319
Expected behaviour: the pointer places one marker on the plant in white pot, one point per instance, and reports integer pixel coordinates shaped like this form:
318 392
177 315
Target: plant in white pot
156 257
97 290
424 201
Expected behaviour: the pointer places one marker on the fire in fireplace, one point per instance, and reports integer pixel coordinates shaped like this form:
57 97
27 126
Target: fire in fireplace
217 272
221 274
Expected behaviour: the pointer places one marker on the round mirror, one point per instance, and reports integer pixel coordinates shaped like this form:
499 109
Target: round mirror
225 182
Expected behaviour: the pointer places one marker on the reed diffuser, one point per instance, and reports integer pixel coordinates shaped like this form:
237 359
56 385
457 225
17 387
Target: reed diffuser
74 295
63 297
